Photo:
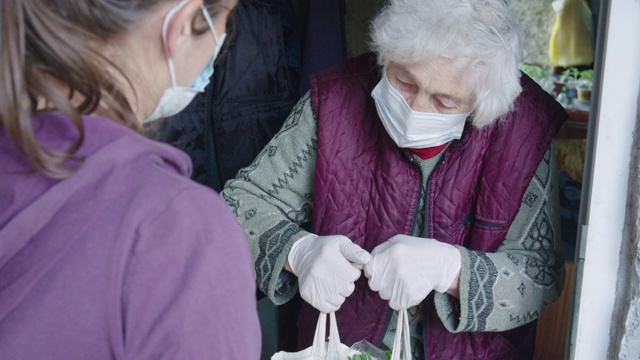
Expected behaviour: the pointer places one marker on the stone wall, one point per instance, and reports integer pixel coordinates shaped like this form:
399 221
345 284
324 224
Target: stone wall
537 16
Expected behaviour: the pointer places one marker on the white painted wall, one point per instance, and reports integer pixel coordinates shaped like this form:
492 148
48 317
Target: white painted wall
605 193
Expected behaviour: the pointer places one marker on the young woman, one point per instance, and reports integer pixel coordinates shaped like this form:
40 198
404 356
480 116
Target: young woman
107 249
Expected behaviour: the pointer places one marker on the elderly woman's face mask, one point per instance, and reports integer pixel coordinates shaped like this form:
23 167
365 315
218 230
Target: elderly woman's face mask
415 129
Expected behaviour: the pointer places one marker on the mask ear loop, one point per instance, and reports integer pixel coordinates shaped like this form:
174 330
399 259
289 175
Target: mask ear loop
209 21
165 26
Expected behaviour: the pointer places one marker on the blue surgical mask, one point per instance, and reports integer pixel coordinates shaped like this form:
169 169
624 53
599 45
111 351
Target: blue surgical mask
205 76
414 129
176 98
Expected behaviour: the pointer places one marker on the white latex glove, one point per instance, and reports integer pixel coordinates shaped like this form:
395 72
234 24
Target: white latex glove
327 267
405 269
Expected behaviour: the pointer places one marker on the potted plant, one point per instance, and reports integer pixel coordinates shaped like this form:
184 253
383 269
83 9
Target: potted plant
539 74
584 85
569 78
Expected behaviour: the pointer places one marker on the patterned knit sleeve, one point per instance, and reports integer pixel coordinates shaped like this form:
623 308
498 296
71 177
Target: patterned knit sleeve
272 199
508 288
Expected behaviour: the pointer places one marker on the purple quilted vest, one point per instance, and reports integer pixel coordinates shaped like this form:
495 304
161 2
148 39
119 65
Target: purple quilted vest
367 188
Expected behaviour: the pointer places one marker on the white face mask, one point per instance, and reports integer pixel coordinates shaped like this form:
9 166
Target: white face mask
413 129
176 98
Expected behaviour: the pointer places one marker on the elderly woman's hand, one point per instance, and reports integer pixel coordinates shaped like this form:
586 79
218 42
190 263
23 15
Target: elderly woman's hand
327 267
405 269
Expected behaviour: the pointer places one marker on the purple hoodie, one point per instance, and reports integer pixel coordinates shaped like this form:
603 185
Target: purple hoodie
125 259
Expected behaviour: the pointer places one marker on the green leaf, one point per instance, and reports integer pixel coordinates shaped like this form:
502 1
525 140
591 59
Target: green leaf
586 74
534 71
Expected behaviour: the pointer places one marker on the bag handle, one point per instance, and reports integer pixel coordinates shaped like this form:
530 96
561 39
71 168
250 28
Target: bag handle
402 328
320 350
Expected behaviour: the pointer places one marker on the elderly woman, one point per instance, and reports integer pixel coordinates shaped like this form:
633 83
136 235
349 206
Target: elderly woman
436 157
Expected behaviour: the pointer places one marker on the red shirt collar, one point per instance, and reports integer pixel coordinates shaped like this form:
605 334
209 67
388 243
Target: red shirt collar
428 153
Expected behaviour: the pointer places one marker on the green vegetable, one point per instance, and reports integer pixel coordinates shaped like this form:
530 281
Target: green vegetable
367 356
363 356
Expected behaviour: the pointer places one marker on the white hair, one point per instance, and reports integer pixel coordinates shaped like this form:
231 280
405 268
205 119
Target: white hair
478 33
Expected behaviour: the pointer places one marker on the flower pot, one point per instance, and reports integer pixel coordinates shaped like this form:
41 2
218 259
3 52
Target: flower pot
583 87
584 95
557 86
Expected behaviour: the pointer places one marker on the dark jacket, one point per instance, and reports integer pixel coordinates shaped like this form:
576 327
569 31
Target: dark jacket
367 189
248 99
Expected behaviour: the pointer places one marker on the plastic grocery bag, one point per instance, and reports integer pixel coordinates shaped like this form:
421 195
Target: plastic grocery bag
402 343
332 349
570 42
367 351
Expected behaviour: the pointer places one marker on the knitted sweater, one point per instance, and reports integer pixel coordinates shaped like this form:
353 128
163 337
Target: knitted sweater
272 198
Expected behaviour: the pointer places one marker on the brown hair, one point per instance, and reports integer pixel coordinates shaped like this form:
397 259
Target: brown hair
48 43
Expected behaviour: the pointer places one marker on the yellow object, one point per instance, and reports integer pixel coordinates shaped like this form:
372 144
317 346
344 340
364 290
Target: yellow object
570 43
570 155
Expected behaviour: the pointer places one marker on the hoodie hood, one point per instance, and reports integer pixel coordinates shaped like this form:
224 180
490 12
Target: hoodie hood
32 204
